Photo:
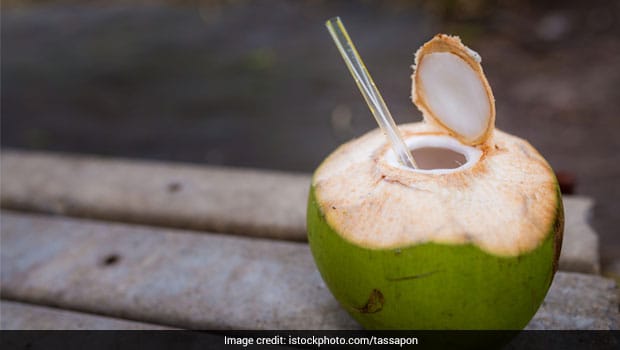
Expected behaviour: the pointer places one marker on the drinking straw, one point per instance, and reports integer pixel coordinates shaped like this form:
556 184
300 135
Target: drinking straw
369 90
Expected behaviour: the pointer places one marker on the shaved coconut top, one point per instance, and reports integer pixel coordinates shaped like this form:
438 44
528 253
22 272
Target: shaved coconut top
449 87
503 200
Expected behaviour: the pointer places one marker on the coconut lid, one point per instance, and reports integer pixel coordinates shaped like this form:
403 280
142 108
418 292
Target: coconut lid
449 87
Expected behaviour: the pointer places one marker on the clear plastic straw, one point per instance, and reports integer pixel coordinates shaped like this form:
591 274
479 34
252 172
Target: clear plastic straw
369 90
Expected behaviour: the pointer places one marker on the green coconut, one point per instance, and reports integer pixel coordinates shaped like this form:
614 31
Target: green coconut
468 240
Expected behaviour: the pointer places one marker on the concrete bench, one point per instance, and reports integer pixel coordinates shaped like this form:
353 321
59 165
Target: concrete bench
167 266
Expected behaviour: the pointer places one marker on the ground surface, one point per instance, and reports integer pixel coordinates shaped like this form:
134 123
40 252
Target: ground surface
243 84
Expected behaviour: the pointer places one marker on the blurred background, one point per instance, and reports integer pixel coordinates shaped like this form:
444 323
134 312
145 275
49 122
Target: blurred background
260 83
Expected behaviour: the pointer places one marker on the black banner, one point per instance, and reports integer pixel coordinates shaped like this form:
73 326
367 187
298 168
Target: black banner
547 340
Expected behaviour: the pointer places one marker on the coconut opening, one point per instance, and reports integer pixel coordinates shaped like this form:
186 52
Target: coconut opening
437 154
429 158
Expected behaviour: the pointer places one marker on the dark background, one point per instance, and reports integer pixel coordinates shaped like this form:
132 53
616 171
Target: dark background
260 84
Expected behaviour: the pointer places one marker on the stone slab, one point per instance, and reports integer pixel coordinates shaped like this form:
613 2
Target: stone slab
579 301
20 316
211 281
580 250
246 202
164 276
249 202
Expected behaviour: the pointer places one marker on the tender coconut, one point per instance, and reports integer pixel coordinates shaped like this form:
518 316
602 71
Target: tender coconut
469 243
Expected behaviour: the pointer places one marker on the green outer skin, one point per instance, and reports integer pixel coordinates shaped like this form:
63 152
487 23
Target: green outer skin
433 286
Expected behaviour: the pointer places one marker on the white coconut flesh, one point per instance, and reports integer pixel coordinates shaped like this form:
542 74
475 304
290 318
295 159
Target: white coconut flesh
474 184
450 89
